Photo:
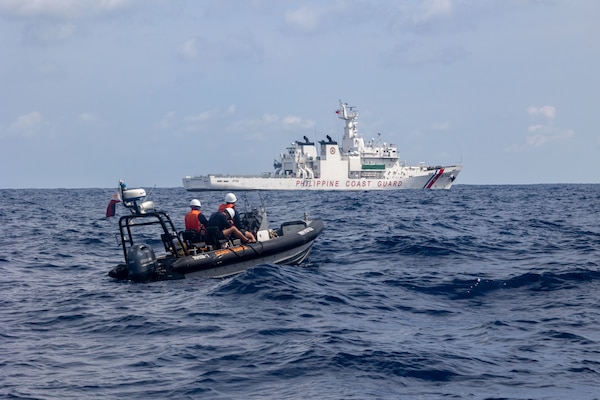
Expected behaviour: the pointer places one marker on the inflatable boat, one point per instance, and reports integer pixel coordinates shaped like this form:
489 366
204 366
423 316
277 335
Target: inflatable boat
154 250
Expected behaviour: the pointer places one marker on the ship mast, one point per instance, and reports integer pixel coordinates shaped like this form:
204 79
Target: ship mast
352 141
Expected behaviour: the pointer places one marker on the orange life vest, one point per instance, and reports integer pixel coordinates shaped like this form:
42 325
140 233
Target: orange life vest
192 222
223 206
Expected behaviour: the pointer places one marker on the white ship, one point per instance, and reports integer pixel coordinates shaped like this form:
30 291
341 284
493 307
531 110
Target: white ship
355 165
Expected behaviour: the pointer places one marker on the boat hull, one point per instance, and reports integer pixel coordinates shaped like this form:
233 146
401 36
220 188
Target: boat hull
439 178
293 256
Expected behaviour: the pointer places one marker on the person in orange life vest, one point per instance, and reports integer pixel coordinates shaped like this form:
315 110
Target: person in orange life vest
222 220
230 201
194 219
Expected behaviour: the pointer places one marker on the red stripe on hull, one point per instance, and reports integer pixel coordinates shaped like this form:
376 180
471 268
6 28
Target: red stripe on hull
434 178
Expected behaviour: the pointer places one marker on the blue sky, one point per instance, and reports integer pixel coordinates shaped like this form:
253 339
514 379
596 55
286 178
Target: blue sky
149 91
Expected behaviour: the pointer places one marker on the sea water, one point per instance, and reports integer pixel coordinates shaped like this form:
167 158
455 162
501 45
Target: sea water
472 293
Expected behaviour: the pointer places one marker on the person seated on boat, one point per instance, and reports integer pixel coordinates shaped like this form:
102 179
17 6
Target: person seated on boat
196 221
230 200
222 222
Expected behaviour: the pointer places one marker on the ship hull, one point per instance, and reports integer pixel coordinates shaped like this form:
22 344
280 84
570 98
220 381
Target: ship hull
440 178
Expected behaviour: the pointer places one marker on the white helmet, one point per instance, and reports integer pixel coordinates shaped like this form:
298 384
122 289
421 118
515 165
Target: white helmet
231 212
230 198
195 203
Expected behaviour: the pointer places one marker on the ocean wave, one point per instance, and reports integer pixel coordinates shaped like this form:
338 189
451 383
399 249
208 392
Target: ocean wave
477 292
464 288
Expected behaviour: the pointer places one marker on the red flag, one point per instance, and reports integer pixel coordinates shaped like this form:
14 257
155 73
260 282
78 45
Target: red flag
116 198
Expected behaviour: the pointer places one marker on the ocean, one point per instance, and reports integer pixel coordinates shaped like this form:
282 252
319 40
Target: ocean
479 292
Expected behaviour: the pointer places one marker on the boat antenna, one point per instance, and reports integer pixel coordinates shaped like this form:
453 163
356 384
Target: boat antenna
262 202
151 190
246 202
248 205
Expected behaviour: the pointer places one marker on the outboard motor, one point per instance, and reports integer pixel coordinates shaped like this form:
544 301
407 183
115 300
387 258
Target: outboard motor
141 263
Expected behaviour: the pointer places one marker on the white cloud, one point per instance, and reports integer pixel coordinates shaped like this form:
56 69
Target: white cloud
200 117
189 49
250 124
340 18
433 9
548 136
167 122
303 20
210 115
272 123
87 117
55 21
270 118
61 8
293 122
533 128
544 132
549 112
27 124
